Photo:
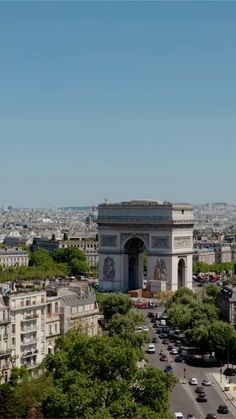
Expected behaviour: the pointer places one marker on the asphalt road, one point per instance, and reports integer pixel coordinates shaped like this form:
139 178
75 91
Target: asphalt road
183 397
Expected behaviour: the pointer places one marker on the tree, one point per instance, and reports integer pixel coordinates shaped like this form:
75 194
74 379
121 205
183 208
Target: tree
41 258
199 267
78 267
65 237
111 304
53 237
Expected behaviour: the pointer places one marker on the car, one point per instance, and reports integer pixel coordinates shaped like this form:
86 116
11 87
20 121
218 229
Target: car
206 382
193 381
163 358
145 329
151 315
170 347
162 352
168 368
223 409
154 339
139 329
211 416
178 343
190 416
162 335
179 415
151 348
165 342
174 351
201 397
199 389
178 358
229 372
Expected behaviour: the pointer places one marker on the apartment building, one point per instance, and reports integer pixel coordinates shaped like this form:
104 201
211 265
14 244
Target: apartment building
227 304
31 321
13 257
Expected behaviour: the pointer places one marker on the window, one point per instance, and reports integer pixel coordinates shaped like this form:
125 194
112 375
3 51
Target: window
50 329
28 302
55 326
13 328
13 341
22 303
182 211
42 300
56 307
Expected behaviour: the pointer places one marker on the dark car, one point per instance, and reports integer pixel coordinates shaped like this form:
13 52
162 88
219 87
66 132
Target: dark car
151 315
229 372
179 358
170 347
211 416
223 409
165 342
168 368
162 335
200 390
154 340
201 397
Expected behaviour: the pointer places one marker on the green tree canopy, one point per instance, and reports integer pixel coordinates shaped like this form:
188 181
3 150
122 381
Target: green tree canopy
111 304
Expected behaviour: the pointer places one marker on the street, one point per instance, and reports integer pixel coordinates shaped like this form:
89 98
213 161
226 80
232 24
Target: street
183 397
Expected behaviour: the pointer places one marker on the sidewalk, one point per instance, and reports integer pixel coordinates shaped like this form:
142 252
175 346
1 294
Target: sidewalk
224 383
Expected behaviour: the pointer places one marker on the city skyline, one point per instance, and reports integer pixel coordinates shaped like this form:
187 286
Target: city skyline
117 100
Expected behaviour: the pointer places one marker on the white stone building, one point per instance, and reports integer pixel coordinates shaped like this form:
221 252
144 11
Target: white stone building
161 229
11 257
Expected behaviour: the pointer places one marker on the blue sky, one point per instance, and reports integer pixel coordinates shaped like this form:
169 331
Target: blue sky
117 100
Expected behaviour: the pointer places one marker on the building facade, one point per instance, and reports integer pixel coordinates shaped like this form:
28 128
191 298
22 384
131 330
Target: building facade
161 229
11 257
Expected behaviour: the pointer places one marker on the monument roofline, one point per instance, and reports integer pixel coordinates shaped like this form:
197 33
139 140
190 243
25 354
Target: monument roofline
147 203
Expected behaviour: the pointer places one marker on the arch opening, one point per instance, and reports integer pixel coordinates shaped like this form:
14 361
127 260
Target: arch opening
134 248
181 273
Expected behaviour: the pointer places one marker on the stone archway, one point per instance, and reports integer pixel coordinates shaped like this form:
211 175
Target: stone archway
181 273
134 249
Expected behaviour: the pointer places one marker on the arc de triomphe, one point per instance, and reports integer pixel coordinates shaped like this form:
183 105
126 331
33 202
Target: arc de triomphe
162 229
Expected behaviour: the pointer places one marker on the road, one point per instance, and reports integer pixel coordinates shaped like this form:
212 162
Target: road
183 397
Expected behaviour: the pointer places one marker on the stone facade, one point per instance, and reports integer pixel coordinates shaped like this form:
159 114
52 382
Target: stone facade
162 229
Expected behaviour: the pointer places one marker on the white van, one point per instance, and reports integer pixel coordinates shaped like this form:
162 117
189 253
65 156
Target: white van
151 348
179 415
163 322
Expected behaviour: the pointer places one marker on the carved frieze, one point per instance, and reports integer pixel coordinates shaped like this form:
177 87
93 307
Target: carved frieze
160 242
108 269
182 242
109 240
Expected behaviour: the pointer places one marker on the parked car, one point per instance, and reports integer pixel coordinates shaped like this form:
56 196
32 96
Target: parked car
151 315
163 358
201 397
211 416
145 329
168 368
193 381
190 416
154 339
179 358
179 415
206 382
165 341
223 409
174 351
229 372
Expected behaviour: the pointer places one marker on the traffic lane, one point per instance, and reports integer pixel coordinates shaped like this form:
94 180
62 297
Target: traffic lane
183 397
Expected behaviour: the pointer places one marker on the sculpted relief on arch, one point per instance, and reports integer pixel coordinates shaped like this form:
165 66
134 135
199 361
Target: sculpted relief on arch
160 271
108 269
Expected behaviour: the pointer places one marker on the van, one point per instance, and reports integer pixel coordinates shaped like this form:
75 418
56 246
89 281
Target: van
151 348
163 322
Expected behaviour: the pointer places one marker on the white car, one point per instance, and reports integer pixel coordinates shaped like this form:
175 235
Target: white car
206 382
174 351
151 348
193 381
179 415
139 329
145 329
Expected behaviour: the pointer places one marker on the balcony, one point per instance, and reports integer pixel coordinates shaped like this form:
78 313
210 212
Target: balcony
5 352
28 354
29 317
29 342
5 321
31 330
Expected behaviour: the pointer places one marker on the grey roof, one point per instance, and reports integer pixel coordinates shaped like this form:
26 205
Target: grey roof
74 298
